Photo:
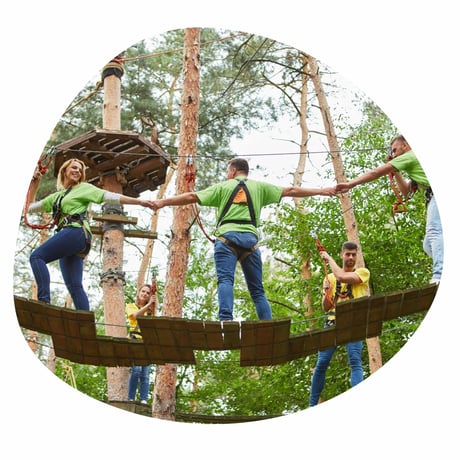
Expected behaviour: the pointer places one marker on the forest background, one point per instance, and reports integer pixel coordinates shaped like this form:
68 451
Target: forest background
249 84
390 66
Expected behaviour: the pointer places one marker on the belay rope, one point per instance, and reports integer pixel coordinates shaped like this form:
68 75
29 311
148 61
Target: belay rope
321 248
400 203
190 180
42 166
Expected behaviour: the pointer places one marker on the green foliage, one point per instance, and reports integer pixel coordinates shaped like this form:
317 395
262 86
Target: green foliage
234 73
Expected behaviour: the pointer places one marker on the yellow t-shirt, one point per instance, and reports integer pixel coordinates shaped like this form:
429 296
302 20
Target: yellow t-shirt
134 330
357 290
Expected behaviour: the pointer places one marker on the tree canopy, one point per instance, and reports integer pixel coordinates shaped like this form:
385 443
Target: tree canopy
249 83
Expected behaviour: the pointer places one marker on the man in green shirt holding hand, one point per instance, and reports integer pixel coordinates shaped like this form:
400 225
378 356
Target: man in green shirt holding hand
402 158
239 201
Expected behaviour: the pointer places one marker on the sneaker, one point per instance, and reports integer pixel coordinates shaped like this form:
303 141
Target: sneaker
143 401
434 281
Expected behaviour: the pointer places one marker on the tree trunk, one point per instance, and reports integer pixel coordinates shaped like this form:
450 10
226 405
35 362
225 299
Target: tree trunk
164 401
143 276
112 278
373 344
298 175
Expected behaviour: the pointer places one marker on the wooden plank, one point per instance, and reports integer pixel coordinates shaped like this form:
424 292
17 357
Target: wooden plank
173 340
351 320
264 342
129 233
213 336
232 335
198 339
418 300
392 306
115 218
375 316
164 334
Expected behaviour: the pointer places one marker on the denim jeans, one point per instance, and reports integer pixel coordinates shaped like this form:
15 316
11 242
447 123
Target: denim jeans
354 350
139 374
63 245
433 243
225 261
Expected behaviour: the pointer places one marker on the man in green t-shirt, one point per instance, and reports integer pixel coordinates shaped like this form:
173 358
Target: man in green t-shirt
402 158
239 201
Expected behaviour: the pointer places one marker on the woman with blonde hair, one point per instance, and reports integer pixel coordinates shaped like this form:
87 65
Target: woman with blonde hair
72 240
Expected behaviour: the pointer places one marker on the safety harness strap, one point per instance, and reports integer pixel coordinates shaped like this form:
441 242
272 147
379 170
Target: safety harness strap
66 220
240 252
342 295
330 319
220 220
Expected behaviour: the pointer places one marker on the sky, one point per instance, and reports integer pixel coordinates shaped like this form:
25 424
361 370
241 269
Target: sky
403 59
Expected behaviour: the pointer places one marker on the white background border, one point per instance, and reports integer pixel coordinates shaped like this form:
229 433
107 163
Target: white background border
403 57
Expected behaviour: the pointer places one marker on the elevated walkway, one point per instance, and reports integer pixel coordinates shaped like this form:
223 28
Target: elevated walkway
175 340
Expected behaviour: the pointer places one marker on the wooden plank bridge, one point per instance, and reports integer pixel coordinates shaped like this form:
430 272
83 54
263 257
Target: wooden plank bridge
174 340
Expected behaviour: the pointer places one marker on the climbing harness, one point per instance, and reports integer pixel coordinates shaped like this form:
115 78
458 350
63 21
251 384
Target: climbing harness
62 220
348 294
237 197
240 252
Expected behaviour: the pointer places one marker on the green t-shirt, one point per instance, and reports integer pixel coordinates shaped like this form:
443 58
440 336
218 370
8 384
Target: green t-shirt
409 163
262 194
76 201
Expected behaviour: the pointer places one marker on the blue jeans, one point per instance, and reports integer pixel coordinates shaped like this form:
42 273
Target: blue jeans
433 243
63 245
354 350
139 374
225 261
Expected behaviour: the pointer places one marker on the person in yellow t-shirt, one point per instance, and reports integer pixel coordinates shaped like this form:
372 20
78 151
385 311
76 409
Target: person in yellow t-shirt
139 375
345 282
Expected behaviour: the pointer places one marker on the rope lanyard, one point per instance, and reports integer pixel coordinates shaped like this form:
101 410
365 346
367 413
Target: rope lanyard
400 203
321 248
42 167
190 180
153 292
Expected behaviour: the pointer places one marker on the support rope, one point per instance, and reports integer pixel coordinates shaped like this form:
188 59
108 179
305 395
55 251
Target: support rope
42 167
321 248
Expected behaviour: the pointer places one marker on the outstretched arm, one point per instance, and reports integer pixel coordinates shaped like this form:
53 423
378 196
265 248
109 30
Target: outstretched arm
368 176
300 192
178 200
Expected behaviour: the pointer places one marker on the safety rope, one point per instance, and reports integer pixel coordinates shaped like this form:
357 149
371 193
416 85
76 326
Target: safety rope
153 292
321 248
42 167
190 181
400 203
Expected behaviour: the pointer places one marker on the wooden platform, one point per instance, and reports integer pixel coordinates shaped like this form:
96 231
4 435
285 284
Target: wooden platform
142 163
174 340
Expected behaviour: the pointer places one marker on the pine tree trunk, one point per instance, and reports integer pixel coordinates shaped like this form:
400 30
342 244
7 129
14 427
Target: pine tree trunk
112 281
164 401
351 226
